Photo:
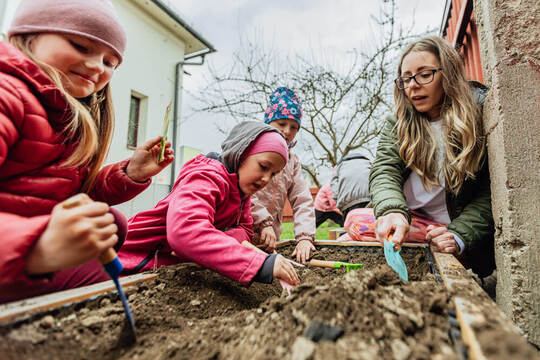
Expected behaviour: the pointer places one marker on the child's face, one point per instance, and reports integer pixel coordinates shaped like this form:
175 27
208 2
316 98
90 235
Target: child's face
86 65
289 128
256 171
426 98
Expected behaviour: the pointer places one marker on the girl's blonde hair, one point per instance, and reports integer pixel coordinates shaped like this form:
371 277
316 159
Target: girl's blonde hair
92 123
462 123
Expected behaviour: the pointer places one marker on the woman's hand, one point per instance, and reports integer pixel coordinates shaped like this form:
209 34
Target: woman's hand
144 162
302 250
79 230
285 271
268 239
392 223
442 239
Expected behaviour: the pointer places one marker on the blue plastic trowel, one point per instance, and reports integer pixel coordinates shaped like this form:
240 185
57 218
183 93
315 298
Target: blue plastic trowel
113 267
394 260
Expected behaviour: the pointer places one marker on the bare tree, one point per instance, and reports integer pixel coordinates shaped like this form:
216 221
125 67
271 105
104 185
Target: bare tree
343 110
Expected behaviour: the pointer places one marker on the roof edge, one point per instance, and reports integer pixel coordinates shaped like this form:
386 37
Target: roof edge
176 17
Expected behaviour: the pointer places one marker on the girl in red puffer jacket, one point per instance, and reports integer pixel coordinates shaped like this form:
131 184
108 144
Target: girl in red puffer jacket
56 122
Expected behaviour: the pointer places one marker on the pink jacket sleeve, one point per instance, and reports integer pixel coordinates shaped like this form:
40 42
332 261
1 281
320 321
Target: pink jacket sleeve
302 206
191 233
114 186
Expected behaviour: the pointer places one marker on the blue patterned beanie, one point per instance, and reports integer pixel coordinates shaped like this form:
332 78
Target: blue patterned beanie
284 104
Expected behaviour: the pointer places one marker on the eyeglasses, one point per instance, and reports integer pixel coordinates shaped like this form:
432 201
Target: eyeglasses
422 78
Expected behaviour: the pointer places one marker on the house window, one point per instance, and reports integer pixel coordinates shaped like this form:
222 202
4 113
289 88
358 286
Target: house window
134 121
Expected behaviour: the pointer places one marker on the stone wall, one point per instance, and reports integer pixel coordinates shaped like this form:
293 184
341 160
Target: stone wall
510 46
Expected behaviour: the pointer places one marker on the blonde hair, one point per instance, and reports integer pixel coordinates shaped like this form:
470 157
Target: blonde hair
92 119
461 117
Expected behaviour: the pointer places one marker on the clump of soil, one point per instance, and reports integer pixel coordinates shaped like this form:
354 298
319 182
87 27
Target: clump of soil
193 313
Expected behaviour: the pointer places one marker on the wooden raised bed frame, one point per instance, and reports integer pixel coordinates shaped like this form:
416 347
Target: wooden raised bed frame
471 312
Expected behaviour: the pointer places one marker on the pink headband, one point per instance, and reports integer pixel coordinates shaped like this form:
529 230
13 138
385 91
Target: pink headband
268 141
93 19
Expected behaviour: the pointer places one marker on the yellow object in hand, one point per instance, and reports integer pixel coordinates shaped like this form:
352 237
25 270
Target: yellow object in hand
164 133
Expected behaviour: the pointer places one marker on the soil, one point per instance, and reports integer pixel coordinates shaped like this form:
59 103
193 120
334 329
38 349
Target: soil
498 344
194 313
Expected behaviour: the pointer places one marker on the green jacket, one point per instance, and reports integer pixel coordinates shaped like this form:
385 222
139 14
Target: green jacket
470 211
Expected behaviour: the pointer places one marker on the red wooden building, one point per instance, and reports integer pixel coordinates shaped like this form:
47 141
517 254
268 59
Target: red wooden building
287 210
459 27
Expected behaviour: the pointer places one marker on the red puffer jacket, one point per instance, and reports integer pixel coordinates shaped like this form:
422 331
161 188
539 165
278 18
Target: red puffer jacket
33 112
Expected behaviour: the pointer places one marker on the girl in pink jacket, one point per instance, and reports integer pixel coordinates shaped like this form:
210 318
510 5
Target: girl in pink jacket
285 113
207 215
56 123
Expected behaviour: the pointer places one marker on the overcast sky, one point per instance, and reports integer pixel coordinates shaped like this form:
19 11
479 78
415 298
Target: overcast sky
292 26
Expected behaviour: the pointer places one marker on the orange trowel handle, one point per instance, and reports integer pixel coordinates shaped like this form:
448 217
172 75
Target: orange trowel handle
396 246
321 263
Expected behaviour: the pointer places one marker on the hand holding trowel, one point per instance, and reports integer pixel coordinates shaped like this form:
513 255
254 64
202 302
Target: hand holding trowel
113 267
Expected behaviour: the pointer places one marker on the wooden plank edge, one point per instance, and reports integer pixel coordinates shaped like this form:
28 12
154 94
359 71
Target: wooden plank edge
44 302
465 320
471 314
348 243
453 273
364 243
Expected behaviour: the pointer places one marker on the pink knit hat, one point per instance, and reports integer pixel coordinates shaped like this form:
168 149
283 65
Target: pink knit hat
93 19
268 141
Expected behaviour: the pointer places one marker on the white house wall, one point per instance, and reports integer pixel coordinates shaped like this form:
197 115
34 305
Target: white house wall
148 69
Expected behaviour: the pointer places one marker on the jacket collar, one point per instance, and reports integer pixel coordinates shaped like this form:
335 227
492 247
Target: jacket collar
216 156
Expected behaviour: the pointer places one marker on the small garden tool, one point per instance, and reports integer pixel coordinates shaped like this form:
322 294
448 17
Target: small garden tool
113 267
334 264
393 258
164 132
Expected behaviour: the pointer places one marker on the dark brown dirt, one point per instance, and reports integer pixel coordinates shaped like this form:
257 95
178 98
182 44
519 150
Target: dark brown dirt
193 313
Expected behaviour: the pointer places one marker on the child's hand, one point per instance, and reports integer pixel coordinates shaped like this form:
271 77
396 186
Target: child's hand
268 239
302 250
442 239
73 236
285 271
144 162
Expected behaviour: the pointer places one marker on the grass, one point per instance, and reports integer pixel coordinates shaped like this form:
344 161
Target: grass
321 234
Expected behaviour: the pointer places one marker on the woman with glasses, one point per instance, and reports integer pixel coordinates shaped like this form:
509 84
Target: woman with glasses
431 162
